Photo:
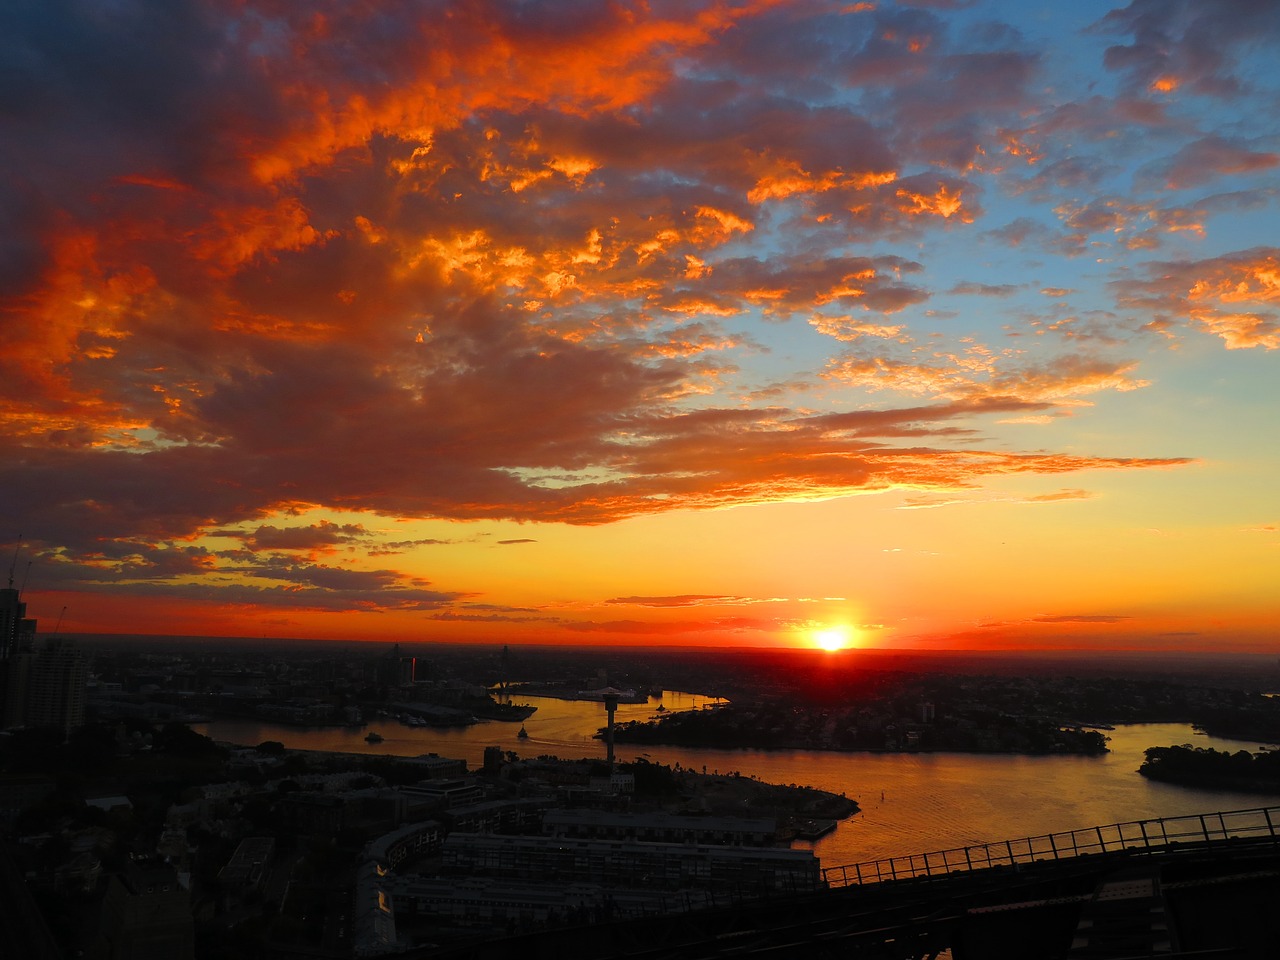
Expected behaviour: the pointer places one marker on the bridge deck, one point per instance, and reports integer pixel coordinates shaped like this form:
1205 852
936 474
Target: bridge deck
1160 834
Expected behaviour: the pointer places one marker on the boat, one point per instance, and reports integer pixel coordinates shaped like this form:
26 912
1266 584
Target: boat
373 737
813 829
523 734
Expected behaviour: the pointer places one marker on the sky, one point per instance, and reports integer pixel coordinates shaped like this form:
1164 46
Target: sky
930 325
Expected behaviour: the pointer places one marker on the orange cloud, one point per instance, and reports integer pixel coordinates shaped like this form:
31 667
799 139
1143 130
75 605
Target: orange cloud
979 374
556 263
1211 293
945 203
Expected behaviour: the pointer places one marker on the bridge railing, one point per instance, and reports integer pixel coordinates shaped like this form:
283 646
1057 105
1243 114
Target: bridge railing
1141 835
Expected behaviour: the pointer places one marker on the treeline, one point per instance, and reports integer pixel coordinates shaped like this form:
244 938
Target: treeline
1214 769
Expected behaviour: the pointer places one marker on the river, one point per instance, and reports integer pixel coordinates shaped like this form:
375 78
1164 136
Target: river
911 802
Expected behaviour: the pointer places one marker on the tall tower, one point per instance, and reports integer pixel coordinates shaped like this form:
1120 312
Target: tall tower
610 708
504 675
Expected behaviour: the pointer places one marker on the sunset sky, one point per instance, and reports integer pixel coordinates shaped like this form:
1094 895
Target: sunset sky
922 325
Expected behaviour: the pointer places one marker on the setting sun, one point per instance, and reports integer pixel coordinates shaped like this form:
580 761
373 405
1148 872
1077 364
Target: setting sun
832 639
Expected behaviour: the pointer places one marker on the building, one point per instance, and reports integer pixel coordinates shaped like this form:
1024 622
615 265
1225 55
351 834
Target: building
247 867
17 632
444 793
17 638
414 840
56 688
19 792
430 765
146 915
310 812
493 903
499 816
660 828
15 680
633 864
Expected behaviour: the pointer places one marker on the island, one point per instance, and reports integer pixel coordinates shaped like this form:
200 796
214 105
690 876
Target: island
1211 769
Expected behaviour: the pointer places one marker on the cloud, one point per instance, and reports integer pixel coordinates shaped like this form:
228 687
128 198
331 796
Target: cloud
509 542
401 546
560 263
461 616
930 501
1081 618
985 289
849 328
1207 159
1178 44
293 587
1234 296
718 625
683 600
323 536
782 286
1060 495
980 373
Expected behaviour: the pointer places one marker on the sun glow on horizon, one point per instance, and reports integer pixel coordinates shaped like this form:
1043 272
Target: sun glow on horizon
832 638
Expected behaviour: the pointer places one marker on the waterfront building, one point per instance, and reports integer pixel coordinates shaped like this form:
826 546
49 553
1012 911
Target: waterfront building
660 828
632 864
374 927
499 816
495 903
613 782
445 793
433 765
410 841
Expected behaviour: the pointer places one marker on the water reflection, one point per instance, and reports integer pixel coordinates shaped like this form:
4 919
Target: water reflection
930 801
561 727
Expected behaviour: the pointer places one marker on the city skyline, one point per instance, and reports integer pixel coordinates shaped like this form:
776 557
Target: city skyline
926 325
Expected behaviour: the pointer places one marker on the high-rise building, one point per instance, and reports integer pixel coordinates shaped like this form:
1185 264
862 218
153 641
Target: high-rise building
16 631
15 681
56 687
17 639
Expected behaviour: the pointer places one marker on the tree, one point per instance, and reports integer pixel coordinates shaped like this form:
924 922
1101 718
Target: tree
179 740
